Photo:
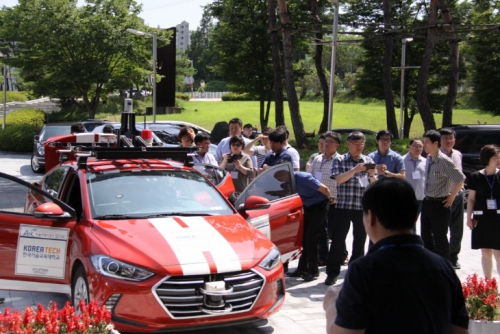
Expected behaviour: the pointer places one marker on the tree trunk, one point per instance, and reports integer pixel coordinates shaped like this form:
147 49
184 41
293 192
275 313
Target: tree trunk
261 111
268 109
451 96
293 102
423 73
319 66
278 80
392 125
408 119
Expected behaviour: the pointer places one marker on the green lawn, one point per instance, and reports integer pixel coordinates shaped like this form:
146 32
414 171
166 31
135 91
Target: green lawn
369 116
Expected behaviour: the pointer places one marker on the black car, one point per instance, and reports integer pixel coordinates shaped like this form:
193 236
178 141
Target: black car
469 141
346 131
48 130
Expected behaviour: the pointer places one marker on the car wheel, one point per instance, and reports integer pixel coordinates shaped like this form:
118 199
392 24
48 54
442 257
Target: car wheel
79 289
34 166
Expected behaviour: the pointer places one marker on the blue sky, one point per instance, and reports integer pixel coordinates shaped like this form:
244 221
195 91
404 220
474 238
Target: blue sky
163 13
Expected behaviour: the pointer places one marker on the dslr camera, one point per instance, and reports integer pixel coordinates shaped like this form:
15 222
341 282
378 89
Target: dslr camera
233 157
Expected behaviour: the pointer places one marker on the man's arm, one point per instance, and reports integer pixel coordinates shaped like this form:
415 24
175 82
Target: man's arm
451 197
454 329
344 177
400 175
248 149
334 329
325 191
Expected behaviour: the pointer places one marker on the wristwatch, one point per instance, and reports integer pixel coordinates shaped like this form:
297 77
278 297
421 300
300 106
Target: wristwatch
386 172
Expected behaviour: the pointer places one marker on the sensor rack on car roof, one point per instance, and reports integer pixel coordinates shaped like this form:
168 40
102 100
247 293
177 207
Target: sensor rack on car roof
181 154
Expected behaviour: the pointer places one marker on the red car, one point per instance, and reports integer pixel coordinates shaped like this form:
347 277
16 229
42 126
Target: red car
152 239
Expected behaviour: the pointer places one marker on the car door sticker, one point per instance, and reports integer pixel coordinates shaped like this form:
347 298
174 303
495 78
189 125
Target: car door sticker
41 251
199 247
262 224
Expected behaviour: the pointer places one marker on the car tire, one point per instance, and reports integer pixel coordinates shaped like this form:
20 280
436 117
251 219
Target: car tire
34 166
79 289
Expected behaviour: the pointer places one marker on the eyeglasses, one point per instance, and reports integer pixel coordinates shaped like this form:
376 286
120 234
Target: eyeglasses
330 142
385 140
236 144
358 145
417 146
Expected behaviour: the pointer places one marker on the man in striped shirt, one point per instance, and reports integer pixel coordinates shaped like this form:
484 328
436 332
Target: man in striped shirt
443 182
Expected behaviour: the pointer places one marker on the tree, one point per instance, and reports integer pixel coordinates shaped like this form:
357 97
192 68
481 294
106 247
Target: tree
242 51
485 51
71 51
293 103
278 78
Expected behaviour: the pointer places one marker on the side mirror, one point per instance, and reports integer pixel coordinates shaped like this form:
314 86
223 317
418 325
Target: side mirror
36 138
50 210
255 203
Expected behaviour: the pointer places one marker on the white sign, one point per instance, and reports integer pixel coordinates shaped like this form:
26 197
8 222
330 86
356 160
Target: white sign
189 80
41 251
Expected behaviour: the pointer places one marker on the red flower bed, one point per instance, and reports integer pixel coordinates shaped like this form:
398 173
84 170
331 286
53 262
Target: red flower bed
481 297
92 319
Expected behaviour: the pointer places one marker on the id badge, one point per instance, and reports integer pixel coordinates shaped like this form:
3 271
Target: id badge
491 204
416 175
318 175
234 175
363 181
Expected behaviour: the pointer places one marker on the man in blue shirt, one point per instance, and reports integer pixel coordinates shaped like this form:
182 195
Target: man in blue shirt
399 286
389 163
315 198
279 152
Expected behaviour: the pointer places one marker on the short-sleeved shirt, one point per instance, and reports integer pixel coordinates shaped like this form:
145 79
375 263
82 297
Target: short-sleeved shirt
240 180
312 157
401 287
391 159
206 159
307 188
295 156
456 157
441 175
349 193
273 159
321 169
260 153
223 148
413 166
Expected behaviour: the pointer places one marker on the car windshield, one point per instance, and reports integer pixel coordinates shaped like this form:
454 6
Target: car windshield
55 131
148 194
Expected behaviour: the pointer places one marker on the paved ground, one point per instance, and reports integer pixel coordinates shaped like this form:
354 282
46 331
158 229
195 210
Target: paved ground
301 313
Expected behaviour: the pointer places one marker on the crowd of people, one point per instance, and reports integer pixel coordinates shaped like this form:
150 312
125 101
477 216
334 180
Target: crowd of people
436 179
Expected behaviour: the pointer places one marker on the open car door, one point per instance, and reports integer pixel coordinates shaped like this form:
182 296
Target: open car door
35 237
283 221
218 176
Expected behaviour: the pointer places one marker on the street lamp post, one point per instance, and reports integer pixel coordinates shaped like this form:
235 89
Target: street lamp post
153 35
4 68
334 49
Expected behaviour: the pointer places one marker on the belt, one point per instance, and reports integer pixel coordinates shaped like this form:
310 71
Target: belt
435 198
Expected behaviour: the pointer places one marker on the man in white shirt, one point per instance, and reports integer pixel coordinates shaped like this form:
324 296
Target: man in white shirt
203 140
291 151
415 169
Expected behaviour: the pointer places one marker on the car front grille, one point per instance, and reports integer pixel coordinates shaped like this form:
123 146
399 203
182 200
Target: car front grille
181 295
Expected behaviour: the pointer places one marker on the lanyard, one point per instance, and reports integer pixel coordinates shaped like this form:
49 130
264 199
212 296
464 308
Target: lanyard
492 184
403 245
414 164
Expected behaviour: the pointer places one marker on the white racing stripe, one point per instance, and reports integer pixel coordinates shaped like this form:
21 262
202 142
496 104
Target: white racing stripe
189 243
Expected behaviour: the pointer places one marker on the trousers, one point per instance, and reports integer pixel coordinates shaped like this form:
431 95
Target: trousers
338 227
434 221
456 226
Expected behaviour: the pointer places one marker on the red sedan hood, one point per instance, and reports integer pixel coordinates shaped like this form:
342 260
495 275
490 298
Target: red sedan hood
184 245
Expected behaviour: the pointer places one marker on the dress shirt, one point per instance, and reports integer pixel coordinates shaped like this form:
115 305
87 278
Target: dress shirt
440 175
412 166
322 164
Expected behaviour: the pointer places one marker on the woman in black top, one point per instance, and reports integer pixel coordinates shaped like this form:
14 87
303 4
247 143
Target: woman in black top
483 208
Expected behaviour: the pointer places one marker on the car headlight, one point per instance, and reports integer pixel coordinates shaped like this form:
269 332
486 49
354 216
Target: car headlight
41 151
108 266
271 260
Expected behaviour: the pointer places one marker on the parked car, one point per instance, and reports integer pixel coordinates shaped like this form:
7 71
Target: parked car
469 141
38 155
153 240
165 131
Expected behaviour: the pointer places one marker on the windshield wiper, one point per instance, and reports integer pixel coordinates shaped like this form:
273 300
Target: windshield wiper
185 214
116 217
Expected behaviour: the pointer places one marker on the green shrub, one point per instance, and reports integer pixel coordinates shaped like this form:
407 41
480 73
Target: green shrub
182 96
18 137
21 126
17 96
237 97
216 86
26 116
